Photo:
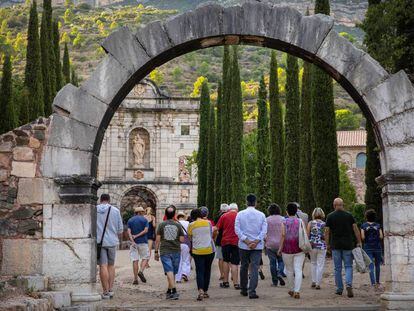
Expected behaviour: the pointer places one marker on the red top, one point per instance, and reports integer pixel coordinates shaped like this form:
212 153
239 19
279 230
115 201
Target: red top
226 223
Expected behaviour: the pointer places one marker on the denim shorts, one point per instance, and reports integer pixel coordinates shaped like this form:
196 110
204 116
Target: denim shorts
171 262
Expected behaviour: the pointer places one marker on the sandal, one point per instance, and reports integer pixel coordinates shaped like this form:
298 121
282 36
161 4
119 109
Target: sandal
225 285
237 286
184 278
200 297
205 295
291 293
296 295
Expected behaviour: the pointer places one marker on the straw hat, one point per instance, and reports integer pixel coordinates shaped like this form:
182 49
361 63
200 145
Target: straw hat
139 209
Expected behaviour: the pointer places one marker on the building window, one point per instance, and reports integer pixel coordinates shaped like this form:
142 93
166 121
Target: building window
185 130
360 160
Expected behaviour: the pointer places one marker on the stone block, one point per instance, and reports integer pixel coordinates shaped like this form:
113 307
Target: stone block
58 161
398 158
312 31
34 283
60 299
255 18
6 146
107 80
124 46
23 213
23 169
34 143
398 129
367 74
394 95
153 38
37 191
23 154
29 252
28 226
4 175
5 160
69 133
70 221
69 261
284 23
79 105
335 45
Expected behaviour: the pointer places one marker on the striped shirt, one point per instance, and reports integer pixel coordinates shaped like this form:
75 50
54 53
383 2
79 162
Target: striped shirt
201 235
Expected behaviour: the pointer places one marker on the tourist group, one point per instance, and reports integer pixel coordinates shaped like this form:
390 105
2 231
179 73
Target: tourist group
238 239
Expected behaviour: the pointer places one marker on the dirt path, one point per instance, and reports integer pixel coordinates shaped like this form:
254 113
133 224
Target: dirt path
150 296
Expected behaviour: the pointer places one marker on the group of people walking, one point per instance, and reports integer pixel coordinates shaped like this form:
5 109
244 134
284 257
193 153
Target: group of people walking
238 239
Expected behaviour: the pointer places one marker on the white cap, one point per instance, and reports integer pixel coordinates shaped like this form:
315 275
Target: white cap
233 207
224 207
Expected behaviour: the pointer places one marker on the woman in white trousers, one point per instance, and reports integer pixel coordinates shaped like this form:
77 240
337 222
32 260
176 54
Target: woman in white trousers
185 264
316 229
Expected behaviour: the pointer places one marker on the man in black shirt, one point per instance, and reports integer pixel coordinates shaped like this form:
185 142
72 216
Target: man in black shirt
341 232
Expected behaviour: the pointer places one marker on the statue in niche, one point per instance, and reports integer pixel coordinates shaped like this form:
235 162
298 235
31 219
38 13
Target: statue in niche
138 149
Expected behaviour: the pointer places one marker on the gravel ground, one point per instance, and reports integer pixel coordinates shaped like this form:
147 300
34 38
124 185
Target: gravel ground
151 296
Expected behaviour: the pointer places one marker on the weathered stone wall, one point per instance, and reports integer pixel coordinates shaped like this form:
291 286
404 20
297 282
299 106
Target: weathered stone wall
23 192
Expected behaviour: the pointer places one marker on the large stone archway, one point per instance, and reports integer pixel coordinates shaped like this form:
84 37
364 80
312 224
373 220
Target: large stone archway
81 116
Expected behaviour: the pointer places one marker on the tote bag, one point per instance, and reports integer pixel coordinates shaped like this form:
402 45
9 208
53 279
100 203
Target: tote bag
304 243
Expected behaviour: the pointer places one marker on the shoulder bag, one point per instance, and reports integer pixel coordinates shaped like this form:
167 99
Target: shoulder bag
99 245
304 243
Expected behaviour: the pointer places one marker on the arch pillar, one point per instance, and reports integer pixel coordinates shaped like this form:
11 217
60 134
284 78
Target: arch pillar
398 205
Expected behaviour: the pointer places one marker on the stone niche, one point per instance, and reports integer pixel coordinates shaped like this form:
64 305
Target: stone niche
139 149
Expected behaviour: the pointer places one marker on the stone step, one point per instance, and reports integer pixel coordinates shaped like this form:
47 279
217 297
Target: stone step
30 283
59 299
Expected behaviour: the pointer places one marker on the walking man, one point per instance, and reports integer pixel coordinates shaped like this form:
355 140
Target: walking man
339 236
251 228
229 244
170 235
108 237
137 232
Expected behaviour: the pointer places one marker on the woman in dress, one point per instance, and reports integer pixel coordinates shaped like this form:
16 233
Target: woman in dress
293 256
316 233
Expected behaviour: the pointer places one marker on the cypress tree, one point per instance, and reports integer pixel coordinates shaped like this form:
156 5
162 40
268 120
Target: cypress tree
33 72
373 199
263 165
217 176
236 134
277 135
56 53
66 65
74 77
225 128
44 48
292 130
202 154
211 162
306 199
325 171
8 119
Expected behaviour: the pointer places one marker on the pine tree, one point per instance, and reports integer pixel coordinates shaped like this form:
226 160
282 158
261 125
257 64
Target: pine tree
306 199
56 53
66 65
373 199
202 154
217 176
263 165
33 72
211 162
292 145
325 171
236 134
277 136
45 61
225 128
8 119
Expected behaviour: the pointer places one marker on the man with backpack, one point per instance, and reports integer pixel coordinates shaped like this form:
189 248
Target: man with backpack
109 229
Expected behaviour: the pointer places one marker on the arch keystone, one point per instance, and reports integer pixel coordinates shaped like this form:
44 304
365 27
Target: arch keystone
124 46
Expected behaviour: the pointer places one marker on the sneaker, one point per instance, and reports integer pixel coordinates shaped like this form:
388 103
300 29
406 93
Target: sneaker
350 292
318 287
111 294
135 282
338 292
174 296
281 281
243 292
105 296
313 285
142 277
262 276
253 296
283 275
225 285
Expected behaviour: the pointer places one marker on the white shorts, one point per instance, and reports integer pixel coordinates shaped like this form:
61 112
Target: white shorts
139 252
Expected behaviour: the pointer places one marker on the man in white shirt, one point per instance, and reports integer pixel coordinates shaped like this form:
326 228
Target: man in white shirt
251 228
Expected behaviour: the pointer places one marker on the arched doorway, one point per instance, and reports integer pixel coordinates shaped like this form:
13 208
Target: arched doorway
83 114
137 196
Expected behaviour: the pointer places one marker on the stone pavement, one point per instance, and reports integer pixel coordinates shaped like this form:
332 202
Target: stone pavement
150 296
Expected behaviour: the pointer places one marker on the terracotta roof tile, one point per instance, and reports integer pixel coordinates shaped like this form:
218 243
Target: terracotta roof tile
351 138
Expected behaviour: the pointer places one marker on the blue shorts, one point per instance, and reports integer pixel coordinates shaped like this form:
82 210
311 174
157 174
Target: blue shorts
171 262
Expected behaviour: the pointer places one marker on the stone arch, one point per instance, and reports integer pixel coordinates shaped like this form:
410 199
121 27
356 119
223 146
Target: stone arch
146 196
82 114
